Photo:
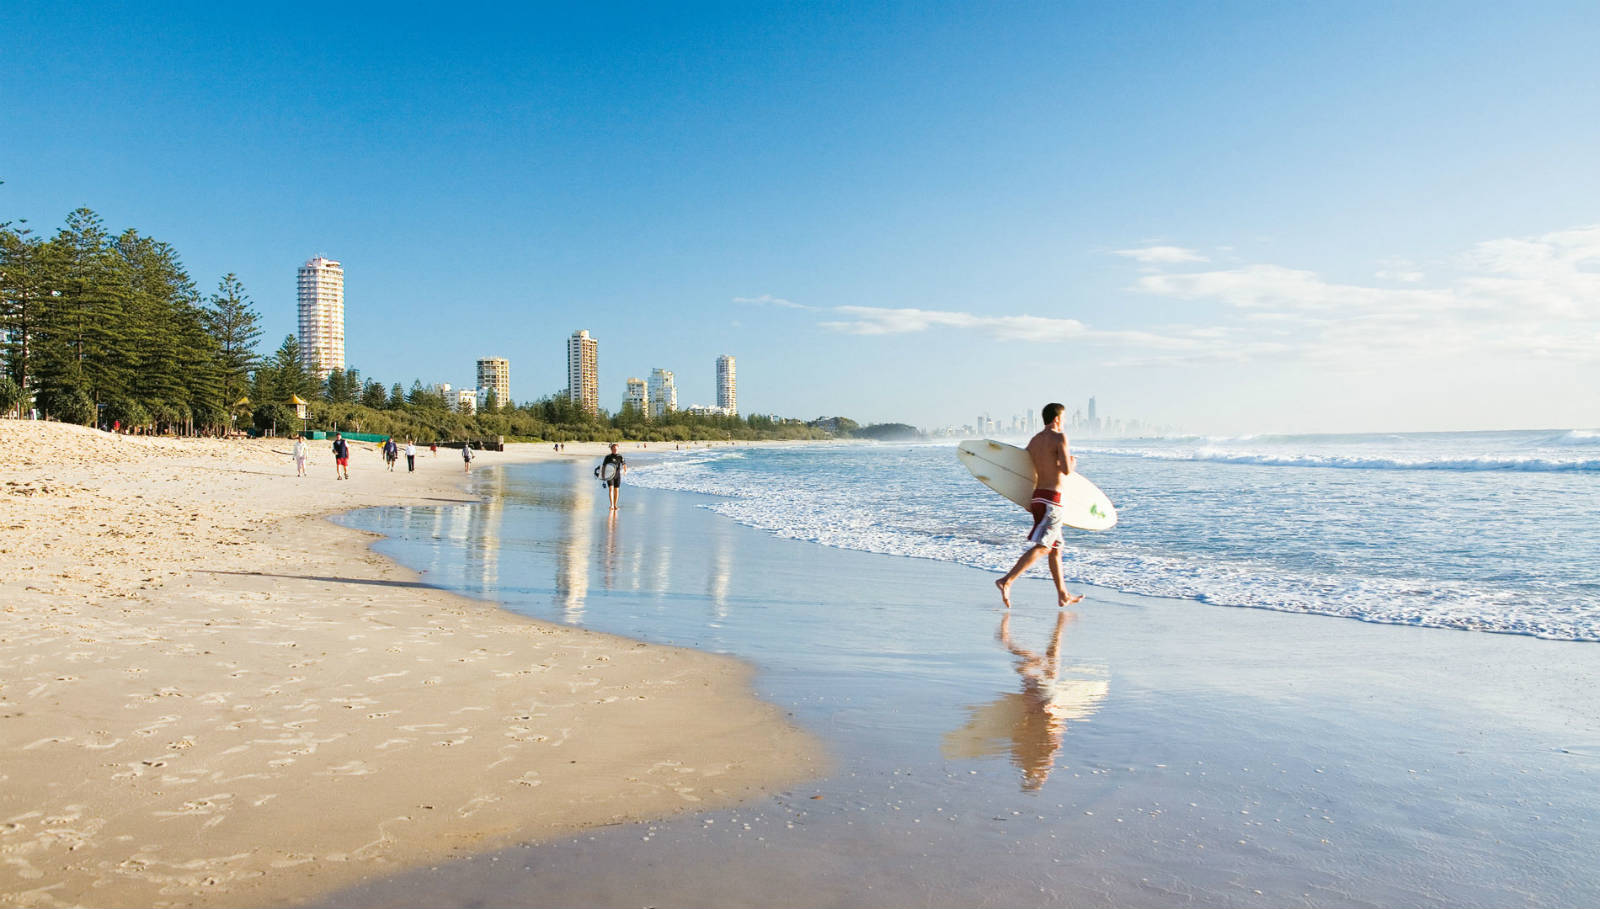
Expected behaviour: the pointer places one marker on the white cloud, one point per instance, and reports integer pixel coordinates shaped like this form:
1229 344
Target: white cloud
1275 288
770 300
872 320
1525 297
1162 255
1529 296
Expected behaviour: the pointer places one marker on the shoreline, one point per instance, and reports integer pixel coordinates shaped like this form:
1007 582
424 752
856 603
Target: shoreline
213 694
1198 755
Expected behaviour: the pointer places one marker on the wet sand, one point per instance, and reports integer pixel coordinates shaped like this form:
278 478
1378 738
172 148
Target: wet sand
1191 755
211 695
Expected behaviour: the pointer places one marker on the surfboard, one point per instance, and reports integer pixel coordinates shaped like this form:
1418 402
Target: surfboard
609 472
1008 470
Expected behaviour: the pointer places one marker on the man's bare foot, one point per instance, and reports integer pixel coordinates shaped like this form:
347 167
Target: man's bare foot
1064 599
1005 591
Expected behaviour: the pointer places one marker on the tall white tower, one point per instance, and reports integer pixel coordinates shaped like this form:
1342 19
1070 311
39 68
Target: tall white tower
727 393
321 293
663 393
583 371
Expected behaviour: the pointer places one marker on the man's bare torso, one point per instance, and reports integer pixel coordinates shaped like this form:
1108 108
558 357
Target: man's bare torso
1051 461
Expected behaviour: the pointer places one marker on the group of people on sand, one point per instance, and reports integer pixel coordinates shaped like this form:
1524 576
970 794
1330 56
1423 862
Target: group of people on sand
391 455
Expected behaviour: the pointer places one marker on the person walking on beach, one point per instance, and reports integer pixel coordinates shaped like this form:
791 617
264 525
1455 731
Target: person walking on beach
341 458
1051 463
391 453
466 455
610 473
299 456
411 456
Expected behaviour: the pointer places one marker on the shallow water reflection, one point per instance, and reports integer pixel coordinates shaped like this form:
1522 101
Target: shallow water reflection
1029 725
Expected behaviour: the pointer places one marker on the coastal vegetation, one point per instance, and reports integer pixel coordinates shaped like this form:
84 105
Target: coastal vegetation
102 328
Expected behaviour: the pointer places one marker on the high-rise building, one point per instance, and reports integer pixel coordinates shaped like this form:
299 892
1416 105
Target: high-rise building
466 401
321 295
583 371
494 374
663 393
638 396
727 392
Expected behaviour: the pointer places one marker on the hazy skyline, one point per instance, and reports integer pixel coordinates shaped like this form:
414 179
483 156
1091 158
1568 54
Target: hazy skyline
1223 218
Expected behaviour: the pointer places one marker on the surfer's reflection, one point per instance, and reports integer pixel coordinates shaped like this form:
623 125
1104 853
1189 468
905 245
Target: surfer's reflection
611 554
572 559
1031 723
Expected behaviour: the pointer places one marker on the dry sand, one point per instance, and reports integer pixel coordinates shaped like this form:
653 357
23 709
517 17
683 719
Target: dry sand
210 695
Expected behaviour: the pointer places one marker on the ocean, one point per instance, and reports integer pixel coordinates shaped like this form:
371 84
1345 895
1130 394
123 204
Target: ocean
1479 531
1155 745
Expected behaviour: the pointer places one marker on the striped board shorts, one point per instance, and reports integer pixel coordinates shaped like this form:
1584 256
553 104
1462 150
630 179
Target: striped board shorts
1046 508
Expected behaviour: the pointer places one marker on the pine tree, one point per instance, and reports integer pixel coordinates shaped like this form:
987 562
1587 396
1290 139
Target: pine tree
23 296
76 335
373 395
233 322
290 374
158 333
333 386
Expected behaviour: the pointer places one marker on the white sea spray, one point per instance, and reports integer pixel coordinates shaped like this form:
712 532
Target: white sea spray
1474 531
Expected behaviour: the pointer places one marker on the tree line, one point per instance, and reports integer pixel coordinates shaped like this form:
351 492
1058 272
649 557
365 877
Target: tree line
99 328
95 325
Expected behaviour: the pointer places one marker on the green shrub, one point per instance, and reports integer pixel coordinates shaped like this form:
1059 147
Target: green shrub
69 405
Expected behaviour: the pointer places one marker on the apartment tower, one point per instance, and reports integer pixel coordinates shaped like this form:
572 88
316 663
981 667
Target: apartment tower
494 374
663 393
321 294
583 371
727 393
638 396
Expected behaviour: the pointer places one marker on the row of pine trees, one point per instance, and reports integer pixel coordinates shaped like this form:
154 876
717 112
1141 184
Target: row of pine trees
102 326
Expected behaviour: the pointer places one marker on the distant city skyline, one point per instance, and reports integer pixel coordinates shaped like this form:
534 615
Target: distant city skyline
1202 215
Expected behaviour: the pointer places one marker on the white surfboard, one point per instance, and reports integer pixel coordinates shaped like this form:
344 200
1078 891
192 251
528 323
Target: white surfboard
1008 470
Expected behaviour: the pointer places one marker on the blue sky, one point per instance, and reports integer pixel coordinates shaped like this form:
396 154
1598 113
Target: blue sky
1219 217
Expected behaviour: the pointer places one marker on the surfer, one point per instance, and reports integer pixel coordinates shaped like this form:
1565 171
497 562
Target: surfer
1051 464
610 473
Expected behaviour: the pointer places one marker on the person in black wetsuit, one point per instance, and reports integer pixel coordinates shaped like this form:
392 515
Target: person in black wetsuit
612 477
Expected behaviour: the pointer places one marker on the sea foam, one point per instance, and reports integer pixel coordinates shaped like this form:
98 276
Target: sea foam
1434 551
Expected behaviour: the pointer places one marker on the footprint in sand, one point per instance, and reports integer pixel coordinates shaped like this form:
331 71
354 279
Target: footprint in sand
155 727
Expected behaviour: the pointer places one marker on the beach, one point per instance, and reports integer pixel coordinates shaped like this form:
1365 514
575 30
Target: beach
212 695
1186 753
216 695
